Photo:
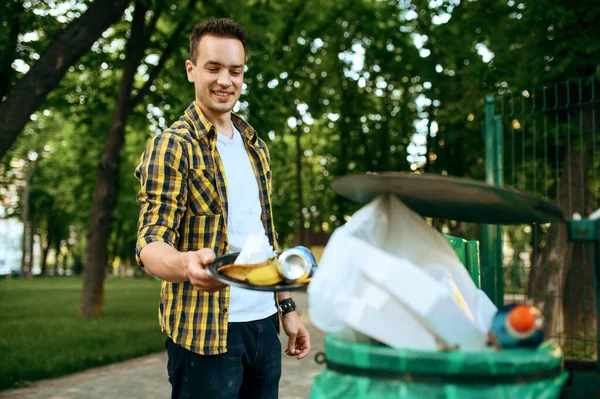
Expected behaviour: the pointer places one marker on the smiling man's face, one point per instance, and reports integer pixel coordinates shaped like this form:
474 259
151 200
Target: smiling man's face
218 74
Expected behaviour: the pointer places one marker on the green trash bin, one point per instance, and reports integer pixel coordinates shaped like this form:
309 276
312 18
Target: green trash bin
358 370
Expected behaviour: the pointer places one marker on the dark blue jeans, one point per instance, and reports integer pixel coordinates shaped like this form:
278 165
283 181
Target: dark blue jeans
251 368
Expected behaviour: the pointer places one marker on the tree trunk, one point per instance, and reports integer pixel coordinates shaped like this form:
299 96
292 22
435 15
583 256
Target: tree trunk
344 125
579 304
50 238
299 196
45 249
56 246
26 254
27 258
31 240
431 143
562 281
364 139
105 191
367 153
65 257
539 243
114 247
77 264
404 127
27 220
384 134
66 48
550 275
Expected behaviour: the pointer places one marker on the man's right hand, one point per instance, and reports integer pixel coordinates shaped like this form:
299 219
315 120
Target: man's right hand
195 263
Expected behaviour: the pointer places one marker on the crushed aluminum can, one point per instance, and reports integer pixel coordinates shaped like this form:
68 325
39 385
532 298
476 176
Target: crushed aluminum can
295 263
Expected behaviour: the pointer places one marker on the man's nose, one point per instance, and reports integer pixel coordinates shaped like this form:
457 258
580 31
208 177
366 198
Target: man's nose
224 79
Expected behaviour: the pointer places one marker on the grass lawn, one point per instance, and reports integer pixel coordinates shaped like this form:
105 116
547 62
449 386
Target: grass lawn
42 334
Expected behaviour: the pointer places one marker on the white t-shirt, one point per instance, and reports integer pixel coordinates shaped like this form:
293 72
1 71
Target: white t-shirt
243 218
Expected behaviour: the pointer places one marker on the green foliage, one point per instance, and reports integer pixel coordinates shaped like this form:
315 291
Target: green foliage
43 336
412 101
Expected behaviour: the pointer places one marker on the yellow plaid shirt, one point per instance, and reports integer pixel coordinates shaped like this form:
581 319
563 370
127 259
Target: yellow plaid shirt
183 199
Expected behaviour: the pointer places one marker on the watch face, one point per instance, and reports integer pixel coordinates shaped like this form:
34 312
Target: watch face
287 305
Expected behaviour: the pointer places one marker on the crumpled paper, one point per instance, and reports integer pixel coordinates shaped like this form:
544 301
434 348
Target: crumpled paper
256 250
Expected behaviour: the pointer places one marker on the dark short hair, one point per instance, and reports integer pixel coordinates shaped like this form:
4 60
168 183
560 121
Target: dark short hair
220 27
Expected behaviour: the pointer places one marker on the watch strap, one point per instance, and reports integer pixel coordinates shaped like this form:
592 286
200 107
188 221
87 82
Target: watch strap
286 306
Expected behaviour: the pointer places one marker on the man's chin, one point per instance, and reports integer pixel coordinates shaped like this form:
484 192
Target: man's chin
222 108
213 106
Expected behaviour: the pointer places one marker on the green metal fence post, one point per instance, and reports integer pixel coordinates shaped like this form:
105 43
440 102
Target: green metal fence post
488 232
473 262
499 181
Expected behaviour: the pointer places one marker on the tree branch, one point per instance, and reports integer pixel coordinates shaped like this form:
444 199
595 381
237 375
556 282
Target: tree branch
31 90
6 71
171 43
155 17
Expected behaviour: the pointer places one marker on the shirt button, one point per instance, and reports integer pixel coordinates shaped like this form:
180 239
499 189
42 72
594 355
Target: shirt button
225 310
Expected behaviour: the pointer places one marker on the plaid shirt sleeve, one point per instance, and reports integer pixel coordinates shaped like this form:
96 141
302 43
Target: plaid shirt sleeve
162 172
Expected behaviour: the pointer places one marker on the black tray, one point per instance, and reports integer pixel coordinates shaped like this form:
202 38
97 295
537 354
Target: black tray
213 271
455 198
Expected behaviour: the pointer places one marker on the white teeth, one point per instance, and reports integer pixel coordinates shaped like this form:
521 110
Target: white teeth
221 94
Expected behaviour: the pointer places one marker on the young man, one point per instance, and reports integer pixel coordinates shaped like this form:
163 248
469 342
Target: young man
205 186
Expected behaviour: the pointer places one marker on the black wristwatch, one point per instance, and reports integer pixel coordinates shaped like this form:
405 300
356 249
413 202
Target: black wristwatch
286 306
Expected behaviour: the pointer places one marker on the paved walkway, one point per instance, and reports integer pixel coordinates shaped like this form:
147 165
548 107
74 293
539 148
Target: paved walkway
146 378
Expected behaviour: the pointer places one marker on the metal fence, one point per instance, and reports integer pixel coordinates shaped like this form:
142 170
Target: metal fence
545 141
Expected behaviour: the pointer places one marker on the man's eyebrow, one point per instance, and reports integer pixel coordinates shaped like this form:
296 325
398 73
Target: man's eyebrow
210 62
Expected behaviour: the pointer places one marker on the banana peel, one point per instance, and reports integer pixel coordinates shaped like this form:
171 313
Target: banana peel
265 276
240 272
259 274
304 279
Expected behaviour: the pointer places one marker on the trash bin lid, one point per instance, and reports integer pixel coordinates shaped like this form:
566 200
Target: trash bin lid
455 198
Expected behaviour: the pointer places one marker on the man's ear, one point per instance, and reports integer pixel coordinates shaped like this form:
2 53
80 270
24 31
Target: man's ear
189 69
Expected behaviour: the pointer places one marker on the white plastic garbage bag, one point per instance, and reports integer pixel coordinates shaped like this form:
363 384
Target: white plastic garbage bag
388 270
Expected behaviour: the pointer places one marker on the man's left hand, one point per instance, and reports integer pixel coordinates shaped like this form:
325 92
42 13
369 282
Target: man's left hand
298 336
